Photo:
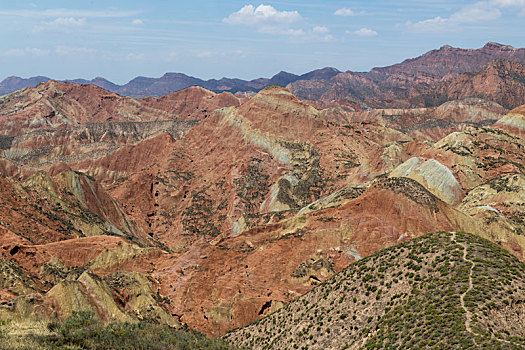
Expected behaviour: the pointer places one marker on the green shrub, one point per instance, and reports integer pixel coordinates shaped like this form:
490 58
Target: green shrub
82 330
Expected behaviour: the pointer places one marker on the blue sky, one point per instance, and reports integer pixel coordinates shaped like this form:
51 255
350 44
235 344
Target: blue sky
121 39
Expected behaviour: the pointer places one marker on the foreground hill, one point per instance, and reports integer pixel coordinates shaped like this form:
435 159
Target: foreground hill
445 290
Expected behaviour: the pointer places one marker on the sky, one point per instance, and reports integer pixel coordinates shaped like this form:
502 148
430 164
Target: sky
122 39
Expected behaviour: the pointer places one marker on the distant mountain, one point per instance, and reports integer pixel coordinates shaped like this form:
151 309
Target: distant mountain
427 80
501 81
13 83
450 60
411 83
171 82
98 81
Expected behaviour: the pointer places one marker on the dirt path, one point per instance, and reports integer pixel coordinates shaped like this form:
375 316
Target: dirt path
470 286
468 320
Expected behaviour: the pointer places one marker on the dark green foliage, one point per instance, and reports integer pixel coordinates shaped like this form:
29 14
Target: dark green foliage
407 297
83 331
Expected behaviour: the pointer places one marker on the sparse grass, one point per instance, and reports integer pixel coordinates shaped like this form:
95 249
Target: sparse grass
82 331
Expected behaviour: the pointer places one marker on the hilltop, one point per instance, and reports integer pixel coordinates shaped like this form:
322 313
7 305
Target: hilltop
442 290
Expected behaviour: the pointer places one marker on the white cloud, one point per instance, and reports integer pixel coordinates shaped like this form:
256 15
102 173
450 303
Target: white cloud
320 29
432 24
61 23
73 51
137 22
51 13
263 14
28 51
265 17
509 3
478 12
135 57
481 11
364 32
317 33
345 11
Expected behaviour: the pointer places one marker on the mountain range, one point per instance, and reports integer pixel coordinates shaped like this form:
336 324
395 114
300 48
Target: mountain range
212 210
171 82
410 83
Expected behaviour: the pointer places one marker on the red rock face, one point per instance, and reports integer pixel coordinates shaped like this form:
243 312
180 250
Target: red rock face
499 81
449 60
223 170
429 80
279 262
53 105
233 208
422 123
193 103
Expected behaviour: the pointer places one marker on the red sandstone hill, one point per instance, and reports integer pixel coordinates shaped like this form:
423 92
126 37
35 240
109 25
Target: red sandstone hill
450 60
214 212
500 81
427 80
54 105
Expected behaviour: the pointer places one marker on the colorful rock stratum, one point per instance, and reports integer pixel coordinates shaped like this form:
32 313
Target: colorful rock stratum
204 209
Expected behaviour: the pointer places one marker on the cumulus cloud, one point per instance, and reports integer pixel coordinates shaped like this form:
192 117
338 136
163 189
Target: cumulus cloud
364 32
431 24
61 23
262 14
345 11
137 22
265 17
269 20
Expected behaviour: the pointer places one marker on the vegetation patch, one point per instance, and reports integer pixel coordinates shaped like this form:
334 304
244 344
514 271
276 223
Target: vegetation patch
83 331
441 291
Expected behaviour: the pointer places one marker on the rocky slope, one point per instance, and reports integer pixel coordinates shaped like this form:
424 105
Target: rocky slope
443 290
231 208
54 105
450 60
500 81
431 123
429 80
